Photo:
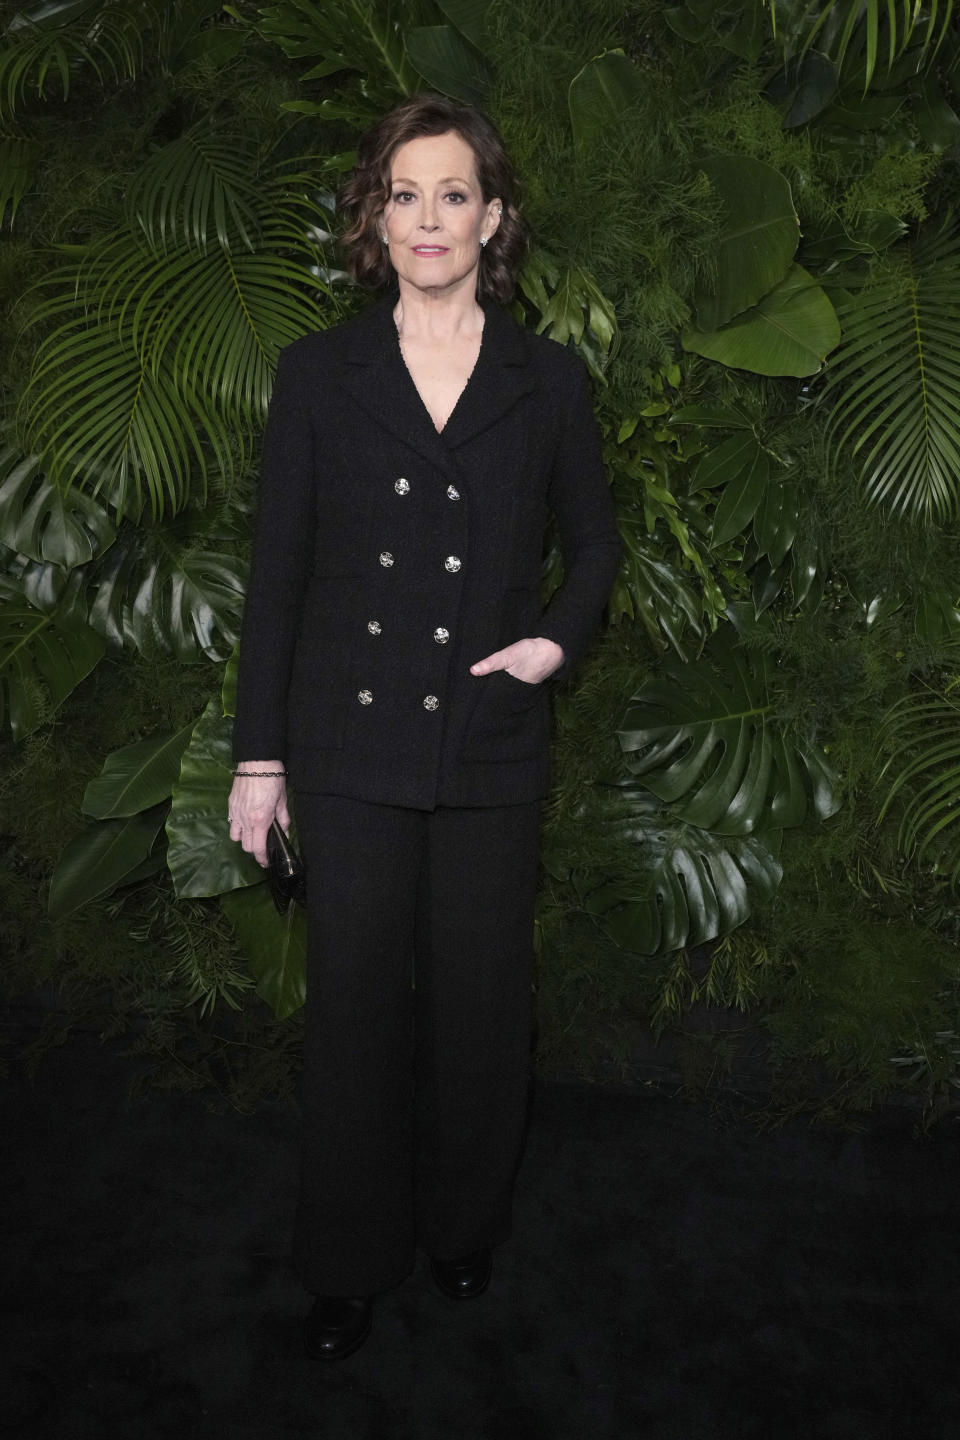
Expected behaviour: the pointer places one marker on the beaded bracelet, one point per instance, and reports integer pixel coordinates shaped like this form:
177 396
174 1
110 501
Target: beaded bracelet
258 774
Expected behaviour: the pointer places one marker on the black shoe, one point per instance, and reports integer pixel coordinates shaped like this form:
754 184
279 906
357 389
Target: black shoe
335 1327
465 1278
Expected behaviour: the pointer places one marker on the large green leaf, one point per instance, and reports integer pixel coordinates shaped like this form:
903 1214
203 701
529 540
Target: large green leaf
166 587
111 853
42 659
39 520
449 63
757 238
202 858
361 35
894 382
789 331
137 776
705 738
922 736
470 18
599 95
688 886
275 946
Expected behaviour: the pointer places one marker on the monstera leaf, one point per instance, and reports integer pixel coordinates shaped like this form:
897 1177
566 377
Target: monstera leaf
275 946
202 858
136 777
40 520
705 739
688 886
161 586
43 657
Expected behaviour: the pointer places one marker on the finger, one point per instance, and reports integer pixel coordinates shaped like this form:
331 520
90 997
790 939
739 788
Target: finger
283 815
499 660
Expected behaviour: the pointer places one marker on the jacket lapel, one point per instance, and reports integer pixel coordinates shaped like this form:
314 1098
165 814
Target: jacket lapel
378 380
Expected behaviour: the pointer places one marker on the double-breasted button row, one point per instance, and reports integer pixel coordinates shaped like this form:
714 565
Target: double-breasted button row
430 702
441 634
453 563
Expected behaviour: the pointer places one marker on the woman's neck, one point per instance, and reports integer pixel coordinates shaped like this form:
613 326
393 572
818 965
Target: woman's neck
439 316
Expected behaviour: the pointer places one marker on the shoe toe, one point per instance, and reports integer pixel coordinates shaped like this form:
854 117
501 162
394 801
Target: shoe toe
465 1278
336 1326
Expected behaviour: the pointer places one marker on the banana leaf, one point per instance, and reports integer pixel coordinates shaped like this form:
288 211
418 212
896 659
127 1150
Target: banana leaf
275 946
757 239
107 855
789 331
202 858
136 777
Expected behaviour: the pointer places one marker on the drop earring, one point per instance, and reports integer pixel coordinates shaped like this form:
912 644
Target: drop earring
483 241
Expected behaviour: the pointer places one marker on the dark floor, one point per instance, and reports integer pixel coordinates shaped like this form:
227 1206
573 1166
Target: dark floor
671 1276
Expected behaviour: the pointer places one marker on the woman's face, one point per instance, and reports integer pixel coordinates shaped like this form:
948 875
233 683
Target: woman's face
436 213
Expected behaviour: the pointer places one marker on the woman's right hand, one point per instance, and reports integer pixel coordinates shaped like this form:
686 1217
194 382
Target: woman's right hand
255 802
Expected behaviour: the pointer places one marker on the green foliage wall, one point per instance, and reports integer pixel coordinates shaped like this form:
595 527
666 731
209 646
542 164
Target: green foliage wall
743 218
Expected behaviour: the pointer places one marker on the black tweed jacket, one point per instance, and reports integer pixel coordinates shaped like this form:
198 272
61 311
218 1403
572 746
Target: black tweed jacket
388 558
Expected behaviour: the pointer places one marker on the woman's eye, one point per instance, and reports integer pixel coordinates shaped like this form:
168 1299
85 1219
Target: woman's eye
403 196
455 195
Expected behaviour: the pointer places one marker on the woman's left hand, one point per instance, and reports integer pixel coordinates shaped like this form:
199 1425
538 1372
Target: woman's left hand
529 660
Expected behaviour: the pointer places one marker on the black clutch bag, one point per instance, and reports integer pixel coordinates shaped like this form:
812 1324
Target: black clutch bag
286 876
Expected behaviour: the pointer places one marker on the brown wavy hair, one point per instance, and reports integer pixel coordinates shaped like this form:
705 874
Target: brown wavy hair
366 191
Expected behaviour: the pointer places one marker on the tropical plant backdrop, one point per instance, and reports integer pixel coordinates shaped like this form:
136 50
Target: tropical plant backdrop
745 219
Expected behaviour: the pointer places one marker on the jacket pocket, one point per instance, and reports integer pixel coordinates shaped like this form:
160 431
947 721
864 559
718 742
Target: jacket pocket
509 721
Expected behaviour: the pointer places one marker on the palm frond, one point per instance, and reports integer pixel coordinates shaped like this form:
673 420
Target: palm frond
840 28
894 382
923 737
108 38
160 364
201 186
16 173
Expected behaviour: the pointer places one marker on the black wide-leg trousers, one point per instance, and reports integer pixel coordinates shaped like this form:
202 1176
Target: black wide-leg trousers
418 1025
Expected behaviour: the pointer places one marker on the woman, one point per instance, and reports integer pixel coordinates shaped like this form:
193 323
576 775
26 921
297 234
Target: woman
392 664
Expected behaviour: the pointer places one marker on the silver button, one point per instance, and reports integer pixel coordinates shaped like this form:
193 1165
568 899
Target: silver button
374 627
430 702
386 558
453 493
440 635
402 486
365 697
452 563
